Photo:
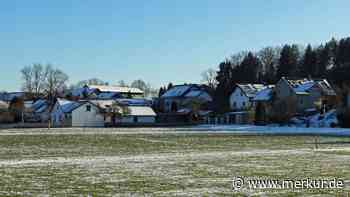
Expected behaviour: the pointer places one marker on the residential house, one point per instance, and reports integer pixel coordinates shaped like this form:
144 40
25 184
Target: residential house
303 94
301 97
242 96
241 103
180 97
184 103
61 113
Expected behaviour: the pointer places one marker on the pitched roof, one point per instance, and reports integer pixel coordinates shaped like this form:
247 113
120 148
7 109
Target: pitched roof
135 102
264 94
302 86
176 91
250 90
116 89
188 91
68 106
141 111
103 104
326 87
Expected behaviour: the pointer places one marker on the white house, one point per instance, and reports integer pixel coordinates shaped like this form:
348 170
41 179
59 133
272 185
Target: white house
99 113
88 114
242 96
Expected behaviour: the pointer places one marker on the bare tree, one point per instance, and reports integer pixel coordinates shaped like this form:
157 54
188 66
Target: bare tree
209 78
34 78
55 82
122 83
39 79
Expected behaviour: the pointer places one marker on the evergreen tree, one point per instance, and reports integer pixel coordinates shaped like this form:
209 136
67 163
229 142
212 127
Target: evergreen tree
288 61
170 85
308 67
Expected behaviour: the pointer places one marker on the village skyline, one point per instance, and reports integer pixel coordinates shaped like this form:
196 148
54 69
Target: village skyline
160 39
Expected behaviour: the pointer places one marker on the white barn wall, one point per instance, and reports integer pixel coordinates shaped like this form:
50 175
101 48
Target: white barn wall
83 118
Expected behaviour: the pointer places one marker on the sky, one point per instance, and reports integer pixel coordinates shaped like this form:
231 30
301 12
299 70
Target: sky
159 41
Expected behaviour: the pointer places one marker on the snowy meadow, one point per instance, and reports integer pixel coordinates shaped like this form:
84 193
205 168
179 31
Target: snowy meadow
198 161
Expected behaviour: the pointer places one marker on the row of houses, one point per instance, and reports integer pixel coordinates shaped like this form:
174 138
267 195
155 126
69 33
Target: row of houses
282 101
98 106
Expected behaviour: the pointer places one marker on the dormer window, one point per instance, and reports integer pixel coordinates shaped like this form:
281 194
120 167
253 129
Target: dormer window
88 108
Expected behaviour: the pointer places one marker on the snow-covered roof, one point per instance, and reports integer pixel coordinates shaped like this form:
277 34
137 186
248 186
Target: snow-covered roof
68 106
116 89
141 111
135 102
108 95
83 91
103 103
40 106
250 90
264 94
188 91
326 87
9 96
177 91
302 86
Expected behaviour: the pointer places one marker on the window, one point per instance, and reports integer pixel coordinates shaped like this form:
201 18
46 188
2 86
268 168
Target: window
88 108
135 119
243 104
234 104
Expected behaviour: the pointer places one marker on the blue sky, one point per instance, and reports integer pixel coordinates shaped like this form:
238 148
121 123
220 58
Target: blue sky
156 40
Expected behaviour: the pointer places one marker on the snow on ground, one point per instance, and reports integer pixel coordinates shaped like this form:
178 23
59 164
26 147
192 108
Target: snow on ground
205 129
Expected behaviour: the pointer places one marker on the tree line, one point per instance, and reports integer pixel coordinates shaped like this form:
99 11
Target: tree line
50 82
330 60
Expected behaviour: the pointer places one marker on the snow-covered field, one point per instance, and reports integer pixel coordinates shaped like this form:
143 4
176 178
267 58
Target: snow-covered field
188 161
233 129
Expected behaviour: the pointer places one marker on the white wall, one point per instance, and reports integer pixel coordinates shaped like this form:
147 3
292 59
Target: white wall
140 119
241 100
83 118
